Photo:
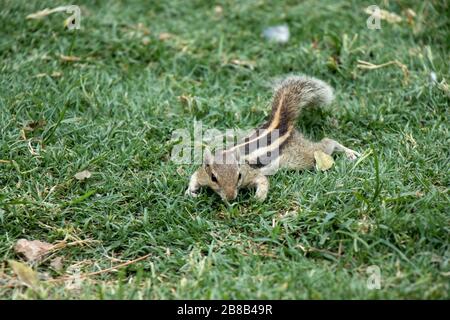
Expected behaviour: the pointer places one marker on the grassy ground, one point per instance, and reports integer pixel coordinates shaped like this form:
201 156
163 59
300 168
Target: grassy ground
113 112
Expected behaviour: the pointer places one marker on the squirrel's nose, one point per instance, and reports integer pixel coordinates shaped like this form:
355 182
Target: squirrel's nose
231 194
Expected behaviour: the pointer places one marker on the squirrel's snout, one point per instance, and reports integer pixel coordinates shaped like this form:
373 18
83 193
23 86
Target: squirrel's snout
229 195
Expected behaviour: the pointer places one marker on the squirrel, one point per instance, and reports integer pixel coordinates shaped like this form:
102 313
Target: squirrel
276 144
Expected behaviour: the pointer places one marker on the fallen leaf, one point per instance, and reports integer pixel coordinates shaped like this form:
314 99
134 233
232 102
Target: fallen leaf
323 161
83 175
25 274
43 13
32 250
69 58
57 263
165 36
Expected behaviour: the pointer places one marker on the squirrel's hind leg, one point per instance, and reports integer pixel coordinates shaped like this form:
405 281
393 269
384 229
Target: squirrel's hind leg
299 153
330 146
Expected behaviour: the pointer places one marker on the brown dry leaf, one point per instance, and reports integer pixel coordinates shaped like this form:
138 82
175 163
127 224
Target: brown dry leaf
165 36
25 274
83 175
32 250
69 58
57 263
323 161
43 13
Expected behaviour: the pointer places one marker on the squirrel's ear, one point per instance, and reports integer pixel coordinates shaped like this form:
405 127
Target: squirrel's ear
207 157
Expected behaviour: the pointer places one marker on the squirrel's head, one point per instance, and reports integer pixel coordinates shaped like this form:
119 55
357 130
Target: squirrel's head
223 170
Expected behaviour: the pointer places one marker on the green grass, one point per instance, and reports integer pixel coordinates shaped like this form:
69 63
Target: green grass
114 111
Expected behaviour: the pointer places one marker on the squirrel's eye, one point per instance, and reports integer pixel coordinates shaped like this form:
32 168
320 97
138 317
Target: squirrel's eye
213 177
239 176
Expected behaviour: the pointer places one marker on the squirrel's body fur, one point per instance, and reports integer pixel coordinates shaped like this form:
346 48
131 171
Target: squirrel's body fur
276 144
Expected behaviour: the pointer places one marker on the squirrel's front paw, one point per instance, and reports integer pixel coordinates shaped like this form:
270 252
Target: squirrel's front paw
261 194
261 197
191 193
262 187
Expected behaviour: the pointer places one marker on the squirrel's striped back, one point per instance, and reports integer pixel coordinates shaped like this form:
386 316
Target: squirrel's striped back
291 95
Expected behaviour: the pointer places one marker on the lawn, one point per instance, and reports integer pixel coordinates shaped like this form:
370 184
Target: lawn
107 97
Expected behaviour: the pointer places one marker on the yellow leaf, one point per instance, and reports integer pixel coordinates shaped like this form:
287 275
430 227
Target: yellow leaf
323 161
25 274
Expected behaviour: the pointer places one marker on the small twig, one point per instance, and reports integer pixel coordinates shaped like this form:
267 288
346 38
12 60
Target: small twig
61 245
312 249
370 66
85 275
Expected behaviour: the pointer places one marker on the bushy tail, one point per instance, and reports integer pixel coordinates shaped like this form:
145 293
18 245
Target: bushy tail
291 95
